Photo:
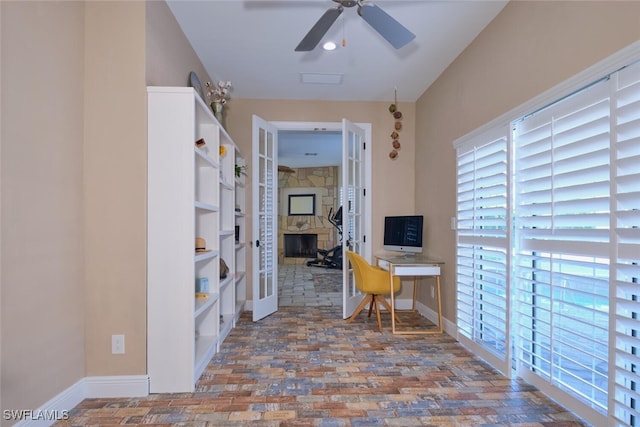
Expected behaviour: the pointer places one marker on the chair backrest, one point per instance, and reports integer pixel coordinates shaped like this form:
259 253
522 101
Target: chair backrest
370 279
356 262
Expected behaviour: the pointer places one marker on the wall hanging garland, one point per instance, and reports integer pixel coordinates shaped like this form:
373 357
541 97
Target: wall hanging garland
395 135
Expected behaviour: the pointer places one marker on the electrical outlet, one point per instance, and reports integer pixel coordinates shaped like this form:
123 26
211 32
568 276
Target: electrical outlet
117 344
433 292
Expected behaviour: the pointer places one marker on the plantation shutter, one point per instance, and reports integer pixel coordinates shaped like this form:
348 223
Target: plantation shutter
482 240
562 214
625 266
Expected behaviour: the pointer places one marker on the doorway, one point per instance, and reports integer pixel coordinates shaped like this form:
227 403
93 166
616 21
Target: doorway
353 177
309 167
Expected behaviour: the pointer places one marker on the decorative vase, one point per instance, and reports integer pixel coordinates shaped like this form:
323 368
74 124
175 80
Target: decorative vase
218 111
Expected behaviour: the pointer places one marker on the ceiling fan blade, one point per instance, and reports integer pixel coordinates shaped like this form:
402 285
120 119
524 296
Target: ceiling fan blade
317 32
394 32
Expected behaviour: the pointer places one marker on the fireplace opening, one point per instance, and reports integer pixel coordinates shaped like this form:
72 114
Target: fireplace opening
300 245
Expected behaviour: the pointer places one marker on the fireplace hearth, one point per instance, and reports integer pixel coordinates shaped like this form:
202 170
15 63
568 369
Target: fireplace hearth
300 245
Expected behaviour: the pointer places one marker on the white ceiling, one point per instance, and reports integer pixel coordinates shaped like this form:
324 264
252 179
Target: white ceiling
252 42
298 149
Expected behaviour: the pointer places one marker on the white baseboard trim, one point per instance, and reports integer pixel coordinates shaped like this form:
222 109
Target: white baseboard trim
447 326
55 409
117 386
59 406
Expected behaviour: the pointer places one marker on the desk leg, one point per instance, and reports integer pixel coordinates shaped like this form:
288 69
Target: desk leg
437 330
415 293
393 302
439 304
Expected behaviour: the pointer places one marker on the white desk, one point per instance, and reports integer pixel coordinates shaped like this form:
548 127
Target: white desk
416 267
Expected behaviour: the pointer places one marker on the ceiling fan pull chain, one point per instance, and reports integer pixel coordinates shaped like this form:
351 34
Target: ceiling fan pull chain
344 40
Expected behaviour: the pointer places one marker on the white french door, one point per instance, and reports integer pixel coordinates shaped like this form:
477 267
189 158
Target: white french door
265 224
354 212
355 176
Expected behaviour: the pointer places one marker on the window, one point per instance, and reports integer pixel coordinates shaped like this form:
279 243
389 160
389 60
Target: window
562 211
625 266
548 245
482 262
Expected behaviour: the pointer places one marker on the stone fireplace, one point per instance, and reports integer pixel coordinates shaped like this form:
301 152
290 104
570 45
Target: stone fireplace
300 245
323 183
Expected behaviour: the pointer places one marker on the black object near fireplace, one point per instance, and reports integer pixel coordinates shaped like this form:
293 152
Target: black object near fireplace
300 245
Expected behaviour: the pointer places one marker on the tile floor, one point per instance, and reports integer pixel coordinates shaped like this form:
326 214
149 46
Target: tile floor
299 285
305 366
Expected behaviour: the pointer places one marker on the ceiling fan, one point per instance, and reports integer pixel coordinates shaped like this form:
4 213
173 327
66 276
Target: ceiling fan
394 32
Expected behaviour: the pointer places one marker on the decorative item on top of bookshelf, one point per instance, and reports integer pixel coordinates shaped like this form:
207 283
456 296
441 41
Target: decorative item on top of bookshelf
218 97
194 81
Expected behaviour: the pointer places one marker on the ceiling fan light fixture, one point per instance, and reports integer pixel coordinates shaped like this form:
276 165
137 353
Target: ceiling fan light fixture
329 46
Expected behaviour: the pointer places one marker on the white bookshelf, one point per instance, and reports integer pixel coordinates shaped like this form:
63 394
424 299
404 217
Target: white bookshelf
191 193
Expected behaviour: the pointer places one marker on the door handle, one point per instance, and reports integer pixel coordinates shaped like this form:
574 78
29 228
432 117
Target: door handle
257 243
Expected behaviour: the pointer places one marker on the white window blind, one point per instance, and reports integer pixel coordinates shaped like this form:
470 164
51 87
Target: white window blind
482 241
571 261
626 269
562 187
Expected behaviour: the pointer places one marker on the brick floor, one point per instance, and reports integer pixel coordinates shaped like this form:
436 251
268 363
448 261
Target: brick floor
305 366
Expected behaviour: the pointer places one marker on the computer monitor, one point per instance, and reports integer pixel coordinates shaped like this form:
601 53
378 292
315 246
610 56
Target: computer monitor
403 233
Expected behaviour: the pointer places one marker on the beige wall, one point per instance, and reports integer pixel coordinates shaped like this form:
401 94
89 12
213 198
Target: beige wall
169 56
73 186
42 308
129 45
115 186
393 185
527 49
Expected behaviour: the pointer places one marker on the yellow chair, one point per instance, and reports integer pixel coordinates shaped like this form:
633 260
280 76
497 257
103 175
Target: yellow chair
374 282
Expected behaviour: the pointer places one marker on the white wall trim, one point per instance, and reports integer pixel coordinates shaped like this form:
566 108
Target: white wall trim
117 386
59 406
